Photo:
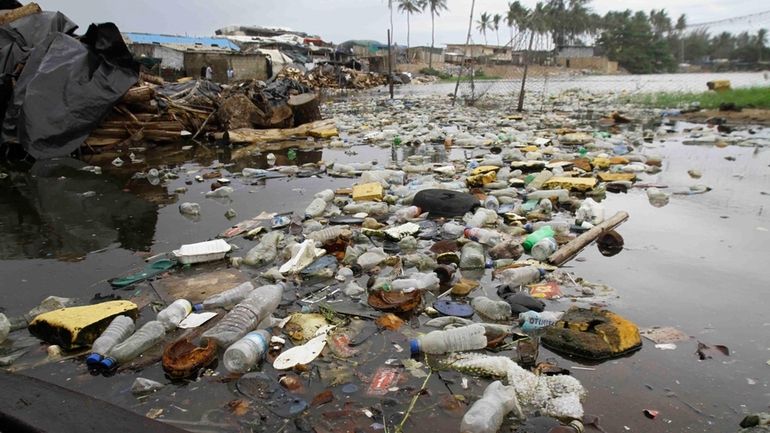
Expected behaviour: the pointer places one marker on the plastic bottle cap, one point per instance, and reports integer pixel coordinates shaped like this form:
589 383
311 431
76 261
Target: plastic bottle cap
93 359
542 273
414 346
197 307
108 363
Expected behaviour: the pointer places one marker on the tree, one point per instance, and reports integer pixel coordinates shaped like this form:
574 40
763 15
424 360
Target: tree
483 24
496 26
628 38
408 7
435 7
681 25
760 41
660 21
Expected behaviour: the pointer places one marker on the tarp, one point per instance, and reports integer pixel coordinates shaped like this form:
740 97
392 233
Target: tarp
66 87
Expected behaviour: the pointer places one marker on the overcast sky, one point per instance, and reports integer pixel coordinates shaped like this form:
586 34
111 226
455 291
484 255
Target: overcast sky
341 20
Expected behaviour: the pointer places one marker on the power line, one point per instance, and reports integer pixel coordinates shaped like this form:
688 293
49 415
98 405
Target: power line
729 20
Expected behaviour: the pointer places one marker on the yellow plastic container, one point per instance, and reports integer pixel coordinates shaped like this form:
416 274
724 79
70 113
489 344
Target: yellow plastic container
368 192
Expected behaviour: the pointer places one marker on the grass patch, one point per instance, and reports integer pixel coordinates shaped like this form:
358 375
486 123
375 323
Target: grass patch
750 97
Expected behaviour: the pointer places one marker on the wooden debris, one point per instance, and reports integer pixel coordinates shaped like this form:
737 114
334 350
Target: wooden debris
24 11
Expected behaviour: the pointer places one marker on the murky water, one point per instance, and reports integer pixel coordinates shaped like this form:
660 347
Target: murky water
699 264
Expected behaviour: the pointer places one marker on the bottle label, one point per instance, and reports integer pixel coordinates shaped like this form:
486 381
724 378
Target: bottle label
257 338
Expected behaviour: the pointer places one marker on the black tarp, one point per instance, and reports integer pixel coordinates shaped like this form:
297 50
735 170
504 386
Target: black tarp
66 87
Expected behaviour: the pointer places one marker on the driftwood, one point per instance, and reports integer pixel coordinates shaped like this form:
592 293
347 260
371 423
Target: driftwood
305 108
24 11
573 247
154 79
136 95
258 137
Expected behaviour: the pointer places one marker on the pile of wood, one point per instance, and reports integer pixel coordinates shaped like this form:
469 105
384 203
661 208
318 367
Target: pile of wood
335 78
145 115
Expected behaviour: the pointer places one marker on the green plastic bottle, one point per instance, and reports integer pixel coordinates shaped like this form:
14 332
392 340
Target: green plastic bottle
536 236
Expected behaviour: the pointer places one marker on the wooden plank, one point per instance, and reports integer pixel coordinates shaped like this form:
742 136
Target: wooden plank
24 11
573 247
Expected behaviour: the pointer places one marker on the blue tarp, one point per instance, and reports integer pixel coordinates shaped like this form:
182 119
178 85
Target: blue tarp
146 38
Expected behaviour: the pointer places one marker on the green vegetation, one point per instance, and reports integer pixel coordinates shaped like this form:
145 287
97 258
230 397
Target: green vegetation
751 97
435 73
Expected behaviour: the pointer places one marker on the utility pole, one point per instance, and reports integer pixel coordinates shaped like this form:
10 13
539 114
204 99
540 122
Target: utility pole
524 76
390 66
467 41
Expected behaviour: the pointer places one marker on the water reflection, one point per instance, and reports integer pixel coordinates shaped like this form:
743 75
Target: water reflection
56 210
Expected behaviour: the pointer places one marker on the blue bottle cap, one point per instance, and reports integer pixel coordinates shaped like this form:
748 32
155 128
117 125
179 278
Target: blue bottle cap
197 307
93 359
414 346
108 363
542 273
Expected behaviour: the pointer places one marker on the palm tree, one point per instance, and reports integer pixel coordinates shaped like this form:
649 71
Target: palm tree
761 40
681 25
496 26
484 23
435 6
408 7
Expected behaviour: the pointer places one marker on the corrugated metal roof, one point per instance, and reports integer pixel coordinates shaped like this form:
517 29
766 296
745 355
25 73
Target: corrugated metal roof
147 38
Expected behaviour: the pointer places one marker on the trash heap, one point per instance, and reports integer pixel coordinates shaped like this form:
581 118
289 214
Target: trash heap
331 77
418 272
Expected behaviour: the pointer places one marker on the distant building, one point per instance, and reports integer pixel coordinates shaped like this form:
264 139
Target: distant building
479 53
579 57
423 54
183 55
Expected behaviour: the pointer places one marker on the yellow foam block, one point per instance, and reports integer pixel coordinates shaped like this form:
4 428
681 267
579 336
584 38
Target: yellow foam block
484 169
606 176
571 183
367 192
324 133
79 326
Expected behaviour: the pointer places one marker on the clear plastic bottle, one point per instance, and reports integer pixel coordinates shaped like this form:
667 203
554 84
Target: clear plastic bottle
483 236
657 197
590 211
559 226
315 208
265 251
371 258
487 413
472 256
147 336
482 217
539 180
492 203
506 250
329 233
460 339
520 276
532 322
543 249
407 213
418 280
369 207
174 313
5 327
452 230
535 237
491 309
326 195
562 195
245 316
228 298
246 352
118 330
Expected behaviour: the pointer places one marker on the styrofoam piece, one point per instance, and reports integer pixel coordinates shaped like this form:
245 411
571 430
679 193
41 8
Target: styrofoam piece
304 354
202 251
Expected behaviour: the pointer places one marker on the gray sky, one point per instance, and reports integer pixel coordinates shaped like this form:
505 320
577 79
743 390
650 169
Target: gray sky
340 20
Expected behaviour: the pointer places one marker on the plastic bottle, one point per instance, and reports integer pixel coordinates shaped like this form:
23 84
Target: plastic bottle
315 208
326 195
147 336
174 313
539 180
369 207
472 256
5 327
491 309
452 230
562 195
460 339
228 298
483 236
657 197
482 217
492 203
265 251
253 172
535 237
329 233
520 276
558 226
245 316
418 280
246 352
118 330
544 248
188 208
532 321
407 213
487 413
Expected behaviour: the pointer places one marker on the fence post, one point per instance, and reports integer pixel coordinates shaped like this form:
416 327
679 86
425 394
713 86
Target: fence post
524 75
